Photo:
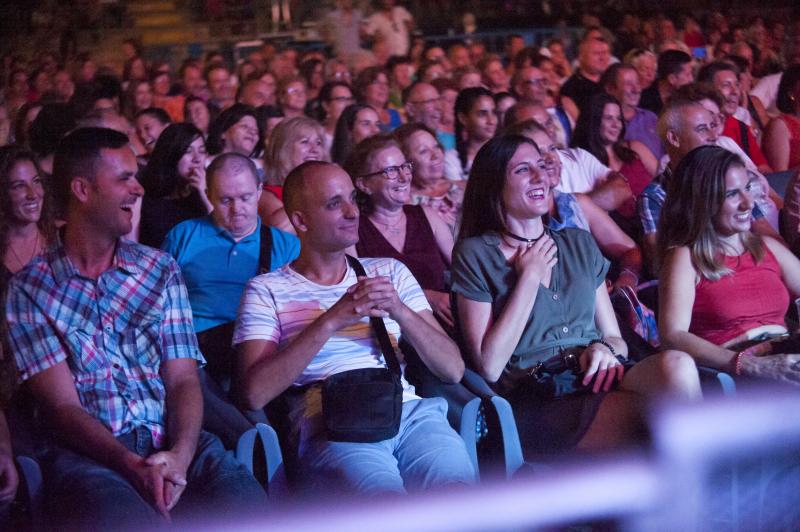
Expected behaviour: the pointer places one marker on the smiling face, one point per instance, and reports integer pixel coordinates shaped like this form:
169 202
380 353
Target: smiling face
149 128
496 76
383 191
611 123
25 193
327 217
481 121
427 155
194 159
727 83
627 88
107 199
376 93
526 191
143 96
736 212
424 106
242 136
294 97
550 156
308 146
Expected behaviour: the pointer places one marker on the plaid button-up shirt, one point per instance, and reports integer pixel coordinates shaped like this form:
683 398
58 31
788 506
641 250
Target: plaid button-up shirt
113 331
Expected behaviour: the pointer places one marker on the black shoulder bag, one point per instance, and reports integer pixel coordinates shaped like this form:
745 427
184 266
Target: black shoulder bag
365 405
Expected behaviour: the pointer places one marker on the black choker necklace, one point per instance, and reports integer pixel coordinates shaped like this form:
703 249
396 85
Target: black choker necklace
526 240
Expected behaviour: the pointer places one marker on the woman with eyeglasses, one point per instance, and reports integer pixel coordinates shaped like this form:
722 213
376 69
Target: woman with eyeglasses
536 318
334 97
372 88
390 227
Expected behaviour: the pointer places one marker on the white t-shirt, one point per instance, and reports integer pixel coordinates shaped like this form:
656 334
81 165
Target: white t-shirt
452 167
279 305
580 171
561 134
766 90
391 29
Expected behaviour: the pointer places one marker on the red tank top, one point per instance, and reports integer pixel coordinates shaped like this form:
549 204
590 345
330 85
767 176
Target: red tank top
752 296
794 139
275 189
420 252
638 178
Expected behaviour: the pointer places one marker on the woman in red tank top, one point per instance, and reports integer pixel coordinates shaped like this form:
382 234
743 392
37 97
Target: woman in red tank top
389 227
722 286
782 135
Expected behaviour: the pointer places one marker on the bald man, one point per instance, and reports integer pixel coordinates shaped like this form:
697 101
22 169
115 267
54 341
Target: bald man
309 320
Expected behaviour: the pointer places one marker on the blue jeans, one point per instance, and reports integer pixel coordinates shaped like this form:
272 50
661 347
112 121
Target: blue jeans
86 495
426 453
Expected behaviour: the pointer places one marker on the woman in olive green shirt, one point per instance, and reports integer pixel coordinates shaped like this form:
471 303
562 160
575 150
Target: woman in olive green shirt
535 314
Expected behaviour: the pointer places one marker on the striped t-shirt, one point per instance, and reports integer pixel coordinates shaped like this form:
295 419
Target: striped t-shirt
279 305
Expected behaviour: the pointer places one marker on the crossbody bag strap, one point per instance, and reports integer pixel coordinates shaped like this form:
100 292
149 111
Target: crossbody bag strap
745 139
377 325
265 250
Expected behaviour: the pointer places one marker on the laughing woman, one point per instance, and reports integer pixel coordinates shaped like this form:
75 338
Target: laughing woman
536 318
389 227
26 220
723 288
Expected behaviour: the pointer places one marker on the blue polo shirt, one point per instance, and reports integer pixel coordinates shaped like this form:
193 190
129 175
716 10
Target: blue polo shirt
216 268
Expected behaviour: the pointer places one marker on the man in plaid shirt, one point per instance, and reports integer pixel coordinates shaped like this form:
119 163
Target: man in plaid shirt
101 330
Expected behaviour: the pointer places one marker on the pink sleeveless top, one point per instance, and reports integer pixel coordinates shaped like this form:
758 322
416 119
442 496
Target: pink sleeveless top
752 296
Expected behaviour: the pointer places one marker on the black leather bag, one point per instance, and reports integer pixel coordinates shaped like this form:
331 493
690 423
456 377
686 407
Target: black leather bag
362 405
365 405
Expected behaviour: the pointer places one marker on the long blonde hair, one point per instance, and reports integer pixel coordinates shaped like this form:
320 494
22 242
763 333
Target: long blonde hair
277 163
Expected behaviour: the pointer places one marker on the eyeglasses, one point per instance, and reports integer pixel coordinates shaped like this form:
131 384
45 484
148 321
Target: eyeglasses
539 82
392 173
342 99
432 101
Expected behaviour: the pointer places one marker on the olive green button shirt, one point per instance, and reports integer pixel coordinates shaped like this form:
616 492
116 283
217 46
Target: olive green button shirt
563 314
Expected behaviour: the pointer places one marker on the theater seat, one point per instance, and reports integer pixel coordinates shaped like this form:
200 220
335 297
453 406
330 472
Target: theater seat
474 409
247 433
31 488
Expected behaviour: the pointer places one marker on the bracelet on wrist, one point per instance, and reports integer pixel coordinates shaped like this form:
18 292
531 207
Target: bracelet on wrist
606 344
737 366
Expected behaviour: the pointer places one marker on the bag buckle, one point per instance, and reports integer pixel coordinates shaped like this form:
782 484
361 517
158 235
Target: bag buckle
535 370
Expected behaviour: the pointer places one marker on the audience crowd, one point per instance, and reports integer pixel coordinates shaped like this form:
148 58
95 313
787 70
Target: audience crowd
302 223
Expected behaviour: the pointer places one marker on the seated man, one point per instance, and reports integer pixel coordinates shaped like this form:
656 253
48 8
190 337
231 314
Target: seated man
220 252
683 126
622 82
101 331
309 320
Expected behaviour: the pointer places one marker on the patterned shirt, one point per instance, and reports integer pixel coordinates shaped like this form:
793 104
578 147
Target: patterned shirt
113 331
652 198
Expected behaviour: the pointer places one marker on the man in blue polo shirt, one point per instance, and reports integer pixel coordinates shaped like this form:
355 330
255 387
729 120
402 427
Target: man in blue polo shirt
220 252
